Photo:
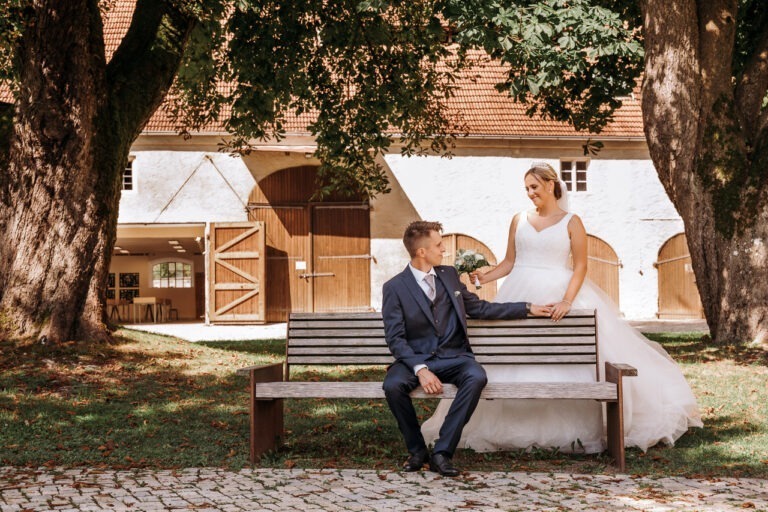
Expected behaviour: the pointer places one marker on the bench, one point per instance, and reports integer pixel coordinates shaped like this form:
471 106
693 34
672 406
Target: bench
340 339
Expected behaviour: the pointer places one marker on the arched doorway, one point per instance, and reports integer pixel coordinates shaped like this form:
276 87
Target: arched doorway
602 267
318 252
454 242
678 294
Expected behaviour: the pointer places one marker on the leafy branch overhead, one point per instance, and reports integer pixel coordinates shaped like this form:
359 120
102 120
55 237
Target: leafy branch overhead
571 61
359 76
356 75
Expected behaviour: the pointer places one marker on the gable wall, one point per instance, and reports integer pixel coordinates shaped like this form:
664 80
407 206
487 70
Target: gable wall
474 193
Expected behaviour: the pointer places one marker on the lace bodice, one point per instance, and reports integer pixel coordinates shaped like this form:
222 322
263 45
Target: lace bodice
549 247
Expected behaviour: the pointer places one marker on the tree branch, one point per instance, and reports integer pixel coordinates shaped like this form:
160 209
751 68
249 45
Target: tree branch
752 87
717 38
145 64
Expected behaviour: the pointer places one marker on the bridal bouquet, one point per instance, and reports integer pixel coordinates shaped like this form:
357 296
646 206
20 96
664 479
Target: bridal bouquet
468 261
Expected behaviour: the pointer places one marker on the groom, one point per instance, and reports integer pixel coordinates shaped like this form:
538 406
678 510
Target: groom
425 309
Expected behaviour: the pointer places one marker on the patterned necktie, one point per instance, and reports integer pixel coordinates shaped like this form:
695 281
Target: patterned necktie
430 280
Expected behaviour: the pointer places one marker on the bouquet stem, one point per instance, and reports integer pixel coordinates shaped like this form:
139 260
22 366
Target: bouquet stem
477 283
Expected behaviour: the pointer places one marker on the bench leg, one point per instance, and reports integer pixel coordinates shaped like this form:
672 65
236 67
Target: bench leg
266 427
615 424
266 416
615 412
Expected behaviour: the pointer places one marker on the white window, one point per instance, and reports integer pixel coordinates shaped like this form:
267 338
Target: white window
574 174
172 274
128 175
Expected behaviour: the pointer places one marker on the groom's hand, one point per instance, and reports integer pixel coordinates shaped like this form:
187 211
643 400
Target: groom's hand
429 382
537 310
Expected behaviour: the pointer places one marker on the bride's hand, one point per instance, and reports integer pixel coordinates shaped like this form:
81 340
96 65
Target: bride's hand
476 276
560 309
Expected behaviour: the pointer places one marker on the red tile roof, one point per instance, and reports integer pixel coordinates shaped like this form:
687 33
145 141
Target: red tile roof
485 111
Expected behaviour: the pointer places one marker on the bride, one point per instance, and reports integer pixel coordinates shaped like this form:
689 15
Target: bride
659 406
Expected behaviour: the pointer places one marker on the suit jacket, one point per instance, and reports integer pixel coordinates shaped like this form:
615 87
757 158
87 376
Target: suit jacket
409 325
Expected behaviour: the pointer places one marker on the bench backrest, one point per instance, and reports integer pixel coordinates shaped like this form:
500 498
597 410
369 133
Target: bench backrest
358 339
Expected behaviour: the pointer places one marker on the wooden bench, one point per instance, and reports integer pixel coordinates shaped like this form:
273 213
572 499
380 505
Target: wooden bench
341 339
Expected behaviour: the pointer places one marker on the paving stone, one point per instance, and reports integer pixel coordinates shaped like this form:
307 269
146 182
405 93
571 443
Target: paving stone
207 489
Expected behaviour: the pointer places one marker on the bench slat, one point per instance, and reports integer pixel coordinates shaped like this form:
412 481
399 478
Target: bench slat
354 332
482 359
574 313
551 329
331 352
475 342
531 321
341 323
604 391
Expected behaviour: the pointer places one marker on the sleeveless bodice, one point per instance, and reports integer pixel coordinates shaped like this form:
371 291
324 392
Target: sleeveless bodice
549 247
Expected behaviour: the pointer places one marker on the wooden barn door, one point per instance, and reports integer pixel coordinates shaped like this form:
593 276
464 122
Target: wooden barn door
454 242
288 251
341 268
236 269
603 267
317 252
678 294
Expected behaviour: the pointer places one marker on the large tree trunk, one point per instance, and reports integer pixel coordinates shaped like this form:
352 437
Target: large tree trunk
75 120
712 164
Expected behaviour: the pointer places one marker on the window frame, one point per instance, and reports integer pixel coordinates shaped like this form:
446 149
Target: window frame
175 260
575 184
128 166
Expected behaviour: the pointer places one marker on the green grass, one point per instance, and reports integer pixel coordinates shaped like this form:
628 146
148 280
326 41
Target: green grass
155 401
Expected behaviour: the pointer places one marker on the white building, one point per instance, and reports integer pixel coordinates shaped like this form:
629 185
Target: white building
180 195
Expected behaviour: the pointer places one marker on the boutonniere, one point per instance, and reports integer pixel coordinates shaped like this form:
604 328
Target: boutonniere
456 293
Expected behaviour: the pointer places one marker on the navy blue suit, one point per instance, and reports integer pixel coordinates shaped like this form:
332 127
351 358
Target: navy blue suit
419 331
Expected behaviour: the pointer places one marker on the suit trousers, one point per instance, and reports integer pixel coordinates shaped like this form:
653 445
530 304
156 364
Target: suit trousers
463 372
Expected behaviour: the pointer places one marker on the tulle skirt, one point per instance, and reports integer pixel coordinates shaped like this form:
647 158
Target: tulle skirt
659 405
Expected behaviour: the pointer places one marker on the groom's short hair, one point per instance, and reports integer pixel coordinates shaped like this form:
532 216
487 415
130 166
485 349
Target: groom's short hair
418 231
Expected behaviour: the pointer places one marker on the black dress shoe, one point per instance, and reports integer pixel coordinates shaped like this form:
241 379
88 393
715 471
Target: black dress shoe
415 462
442 464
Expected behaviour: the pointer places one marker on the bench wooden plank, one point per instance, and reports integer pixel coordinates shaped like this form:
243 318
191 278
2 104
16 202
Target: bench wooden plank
602 391
574 313
368 323
472 333
332 352
474 341
482 359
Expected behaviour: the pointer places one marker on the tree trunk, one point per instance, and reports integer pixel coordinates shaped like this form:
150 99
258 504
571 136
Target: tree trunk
75 120
713 169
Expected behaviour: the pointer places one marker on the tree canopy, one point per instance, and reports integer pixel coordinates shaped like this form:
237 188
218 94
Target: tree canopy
363 74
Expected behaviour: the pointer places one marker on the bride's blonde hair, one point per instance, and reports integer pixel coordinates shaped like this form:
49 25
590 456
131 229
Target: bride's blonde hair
542 171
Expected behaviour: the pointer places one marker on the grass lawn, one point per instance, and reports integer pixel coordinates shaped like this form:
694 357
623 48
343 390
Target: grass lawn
155 401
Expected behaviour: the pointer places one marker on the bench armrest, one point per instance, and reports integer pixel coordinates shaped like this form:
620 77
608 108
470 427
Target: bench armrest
263 372
614 372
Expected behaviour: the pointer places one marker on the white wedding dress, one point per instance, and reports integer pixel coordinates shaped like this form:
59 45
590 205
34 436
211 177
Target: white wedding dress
659 406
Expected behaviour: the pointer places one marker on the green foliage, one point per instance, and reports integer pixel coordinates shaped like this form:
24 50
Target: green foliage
571 61
358 73
13 16
752 23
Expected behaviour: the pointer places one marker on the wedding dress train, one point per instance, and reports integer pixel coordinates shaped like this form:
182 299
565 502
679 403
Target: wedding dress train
659 405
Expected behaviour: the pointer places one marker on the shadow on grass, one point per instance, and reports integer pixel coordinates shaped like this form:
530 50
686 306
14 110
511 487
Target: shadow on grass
274 347
698 348
152 401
